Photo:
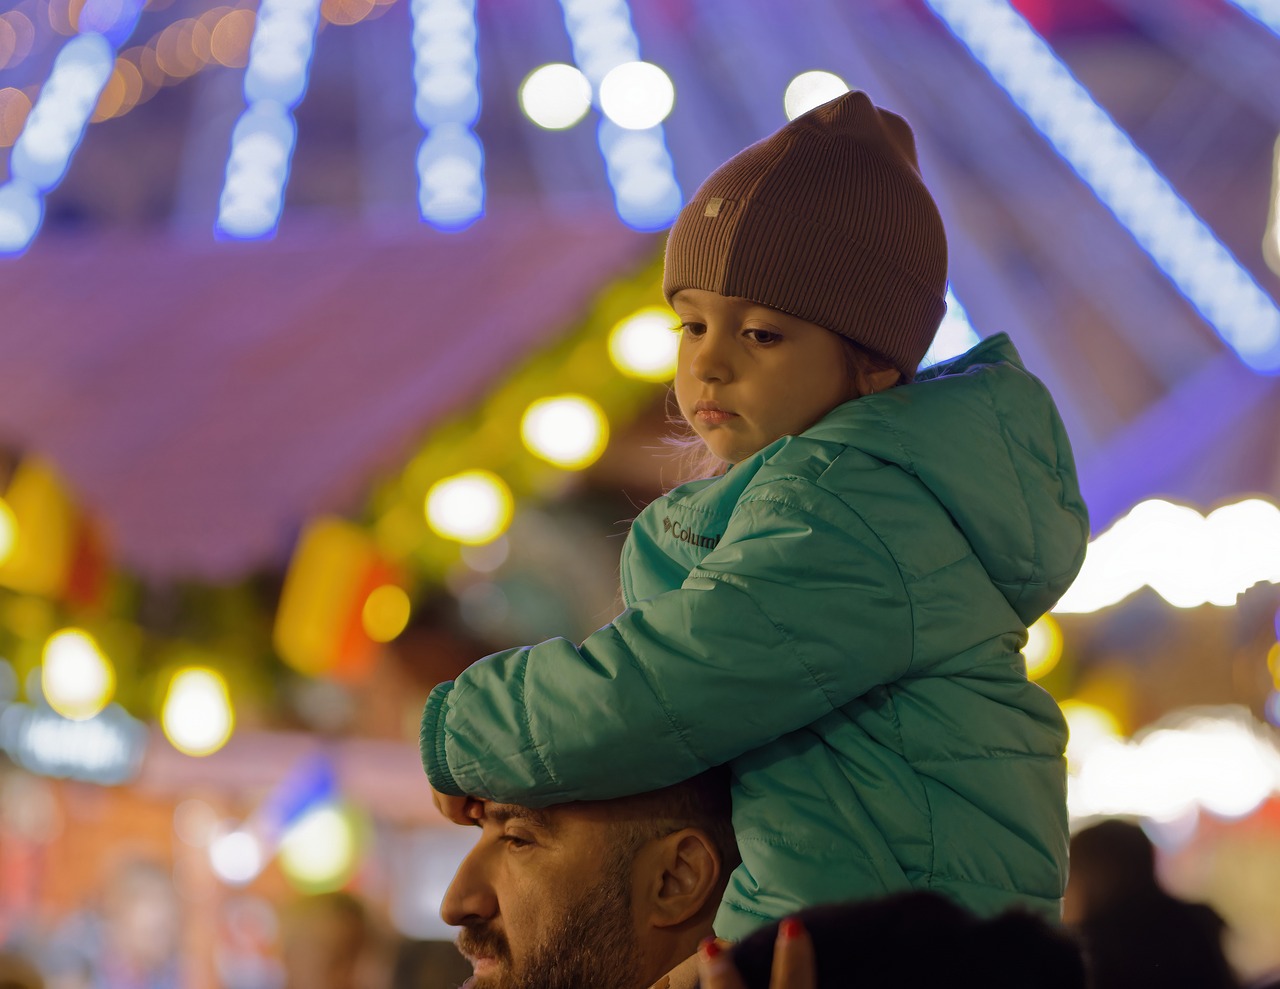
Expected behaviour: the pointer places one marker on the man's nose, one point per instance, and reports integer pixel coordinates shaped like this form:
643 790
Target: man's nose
713 358
470 897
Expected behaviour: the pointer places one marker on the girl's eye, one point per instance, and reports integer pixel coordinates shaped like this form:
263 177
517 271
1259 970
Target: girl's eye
763 336
692 329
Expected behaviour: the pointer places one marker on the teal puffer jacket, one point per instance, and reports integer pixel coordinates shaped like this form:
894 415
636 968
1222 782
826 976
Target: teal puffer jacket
840 618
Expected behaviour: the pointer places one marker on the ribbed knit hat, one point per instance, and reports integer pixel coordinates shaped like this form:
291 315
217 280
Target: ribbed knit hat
826 219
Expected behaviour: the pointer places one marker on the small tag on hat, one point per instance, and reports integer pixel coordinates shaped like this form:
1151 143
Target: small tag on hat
713 207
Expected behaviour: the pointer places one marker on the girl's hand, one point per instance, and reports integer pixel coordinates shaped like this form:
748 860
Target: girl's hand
793 966
460 810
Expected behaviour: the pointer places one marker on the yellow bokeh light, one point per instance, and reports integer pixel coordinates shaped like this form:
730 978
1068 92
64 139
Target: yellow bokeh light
385 613
76 677
645 346
8 531
319 851
1043 648
473 508
1273 664
569 431
197 716
1090 726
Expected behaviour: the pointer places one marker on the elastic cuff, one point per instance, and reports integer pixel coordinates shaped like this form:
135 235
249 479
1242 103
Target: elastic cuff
431 741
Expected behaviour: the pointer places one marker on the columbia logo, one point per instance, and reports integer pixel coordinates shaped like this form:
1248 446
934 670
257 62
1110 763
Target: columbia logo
686 535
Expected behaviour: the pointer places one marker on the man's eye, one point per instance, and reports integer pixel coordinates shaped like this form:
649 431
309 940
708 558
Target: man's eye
763 336
515 841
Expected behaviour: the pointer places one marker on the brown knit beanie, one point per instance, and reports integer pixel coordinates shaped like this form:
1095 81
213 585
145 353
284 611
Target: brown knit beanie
827 219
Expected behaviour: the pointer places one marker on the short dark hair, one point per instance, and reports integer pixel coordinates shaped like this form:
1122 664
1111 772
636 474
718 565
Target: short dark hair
701 802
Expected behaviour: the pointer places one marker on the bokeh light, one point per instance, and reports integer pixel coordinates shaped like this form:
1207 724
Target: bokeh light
811 89
637 95
474 507
346 12
1043 648
319 851
555 96
230 38
1091 727
236 857
1186 558
76 677
15 105
197 716
645 346
17 35
385 613
8 531
570 431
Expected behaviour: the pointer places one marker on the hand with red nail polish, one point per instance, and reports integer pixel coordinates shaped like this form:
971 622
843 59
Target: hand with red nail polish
793 966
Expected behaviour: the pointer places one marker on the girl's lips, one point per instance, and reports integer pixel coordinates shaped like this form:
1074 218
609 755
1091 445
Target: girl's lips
714 416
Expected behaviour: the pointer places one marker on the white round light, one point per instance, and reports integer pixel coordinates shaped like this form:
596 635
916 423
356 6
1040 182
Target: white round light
474 507
236 857
645 346
637 95
77 679
811 89
197 717
569 431
555 96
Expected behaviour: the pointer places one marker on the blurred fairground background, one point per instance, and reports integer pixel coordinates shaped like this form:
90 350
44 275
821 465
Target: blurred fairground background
332 357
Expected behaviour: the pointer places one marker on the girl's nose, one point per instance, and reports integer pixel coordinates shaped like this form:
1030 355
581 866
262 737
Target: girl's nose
713 360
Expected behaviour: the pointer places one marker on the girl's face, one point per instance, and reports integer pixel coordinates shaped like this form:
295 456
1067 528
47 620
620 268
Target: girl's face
748 375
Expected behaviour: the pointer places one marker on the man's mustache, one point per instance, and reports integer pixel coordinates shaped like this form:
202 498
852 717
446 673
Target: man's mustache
480 941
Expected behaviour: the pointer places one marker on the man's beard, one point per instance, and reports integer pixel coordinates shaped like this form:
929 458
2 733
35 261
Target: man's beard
591 945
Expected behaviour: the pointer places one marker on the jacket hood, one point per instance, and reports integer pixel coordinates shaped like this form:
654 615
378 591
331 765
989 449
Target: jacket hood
984 436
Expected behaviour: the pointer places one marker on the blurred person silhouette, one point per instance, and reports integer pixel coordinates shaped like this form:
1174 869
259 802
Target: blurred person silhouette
1134 933
129 942
331 941
917 940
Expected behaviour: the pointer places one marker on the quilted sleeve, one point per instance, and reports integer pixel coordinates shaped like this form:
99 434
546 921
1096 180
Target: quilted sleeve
796 612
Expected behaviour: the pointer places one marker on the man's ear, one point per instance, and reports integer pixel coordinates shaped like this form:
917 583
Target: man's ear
680 878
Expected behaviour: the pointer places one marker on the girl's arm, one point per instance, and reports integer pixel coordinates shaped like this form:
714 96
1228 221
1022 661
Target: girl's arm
797 612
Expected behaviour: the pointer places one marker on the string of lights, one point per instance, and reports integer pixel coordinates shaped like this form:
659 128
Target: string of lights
1122 178
56 123
447 104
262 142
635 97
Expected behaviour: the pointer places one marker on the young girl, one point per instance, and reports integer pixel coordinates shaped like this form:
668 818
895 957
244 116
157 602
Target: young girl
839 615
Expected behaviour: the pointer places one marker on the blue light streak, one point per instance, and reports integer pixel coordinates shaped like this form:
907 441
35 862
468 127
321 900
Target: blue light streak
447 104
637 162
57 122
1264 11
263 139
1122 178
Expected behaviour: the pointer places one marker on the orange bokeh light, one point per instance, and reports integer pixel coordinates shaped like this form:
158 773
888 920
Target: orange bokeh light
229 43
14 107
346 11
17 35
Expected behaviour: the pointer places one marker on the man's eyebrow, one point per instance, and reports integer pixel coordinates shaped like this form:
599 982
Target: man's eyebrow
502 813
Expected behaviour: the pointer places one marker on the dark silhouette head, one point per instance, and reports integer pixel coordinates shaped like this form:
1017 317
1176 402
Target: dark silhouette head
922 940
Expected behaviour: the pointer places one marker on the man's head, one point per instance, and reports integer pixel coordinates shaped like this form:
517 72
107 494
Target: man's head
608 894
